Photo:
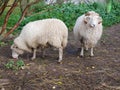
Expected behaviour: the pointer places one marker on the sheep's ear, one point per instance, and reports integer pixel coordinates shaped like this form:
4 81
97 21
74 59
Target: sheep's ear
86 19
13 46
87 14
100 20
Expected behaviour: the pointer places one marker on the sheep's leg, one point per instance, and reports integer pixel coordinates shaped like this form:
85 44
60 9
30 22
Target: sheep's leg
91 52
86 45
82 52
60 54
34 54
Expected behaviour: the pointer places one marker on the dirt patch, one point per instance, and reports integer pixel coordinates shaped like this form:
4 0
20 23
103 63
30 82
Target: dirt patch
101 72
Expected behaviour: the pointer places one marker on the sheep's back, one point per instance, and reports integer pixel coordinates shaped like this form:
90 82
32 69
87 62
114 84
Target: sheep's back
43 31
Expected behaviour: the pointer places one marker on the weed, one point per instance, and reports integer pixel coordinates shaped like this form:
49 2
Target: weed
10 64
2 43
15 65
20 64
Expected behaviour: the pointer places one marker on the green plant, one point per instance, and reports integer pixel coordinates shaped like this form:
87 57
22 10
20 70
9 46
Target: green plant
2 43
10 64
20 63
15 66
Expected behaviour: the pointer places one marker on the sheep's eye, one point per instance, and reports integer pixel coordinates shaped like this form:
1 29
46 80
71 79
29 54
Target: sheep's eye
15 47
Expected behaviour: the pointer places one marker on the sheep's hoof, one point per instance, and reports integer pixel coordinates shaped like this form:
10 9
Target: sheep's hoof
59 62
92 55
32 58
81 55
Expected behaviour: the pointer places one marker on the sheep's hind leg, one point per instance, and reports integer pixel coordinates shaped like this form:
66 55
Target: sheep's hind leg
91 52
60 54
34 54
82 52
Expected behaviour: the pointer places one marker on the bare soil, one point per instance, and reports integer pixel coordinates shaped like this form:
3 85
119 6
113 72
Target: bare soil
101 72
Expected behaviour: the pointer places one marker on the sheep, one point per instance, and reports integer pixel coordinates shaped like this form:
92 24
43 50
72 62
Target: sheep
41 33
88 30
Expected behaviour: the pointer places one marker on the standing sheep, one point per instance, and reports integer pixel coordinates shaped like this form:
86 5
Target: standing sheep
41 33
88 30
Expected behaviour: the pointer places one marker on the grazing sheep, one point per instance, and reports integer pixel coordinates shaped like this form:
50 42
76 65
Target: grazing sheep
88 30
41 33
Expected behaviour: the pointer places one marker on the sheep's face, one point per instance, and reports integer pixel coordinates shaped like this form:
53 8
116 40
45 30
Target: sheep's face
16 51
92 19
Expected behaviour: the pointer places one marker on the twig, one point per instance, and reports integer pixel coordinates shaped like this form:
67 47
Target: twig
3 7
111 87
4 82
21 18
99 71
8 15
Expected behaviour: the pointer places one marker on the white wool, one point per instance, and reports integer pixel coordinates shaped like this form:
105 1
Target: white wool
51 31
85 32
41 33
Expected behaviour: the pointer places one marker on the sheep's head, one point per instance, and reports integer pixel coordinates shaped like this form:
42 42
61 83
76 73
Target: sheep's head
92 19
16 51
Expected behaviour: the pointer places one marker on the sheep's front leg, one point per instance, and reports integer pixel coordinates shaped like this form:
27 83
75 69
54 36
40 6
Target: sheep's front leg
60 54
34 54
82 52
91 52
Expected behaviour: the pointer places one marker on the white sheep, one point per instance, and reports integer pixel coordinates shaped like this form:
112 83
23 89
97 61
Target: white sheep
41 33
88 30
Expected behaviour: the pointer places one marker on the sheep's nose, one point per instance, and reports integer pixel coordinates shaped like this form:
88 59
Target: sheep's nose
15 55
92 25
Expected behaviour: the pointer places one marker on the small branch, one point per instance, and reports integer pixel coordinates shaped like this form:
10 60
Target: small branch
21 18
99 71
46 9
8 15
3 7
111 87
4 82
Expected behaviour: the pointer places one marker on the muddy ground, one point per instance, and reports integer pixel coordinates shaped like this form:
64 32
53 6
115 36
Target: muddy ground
101 72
